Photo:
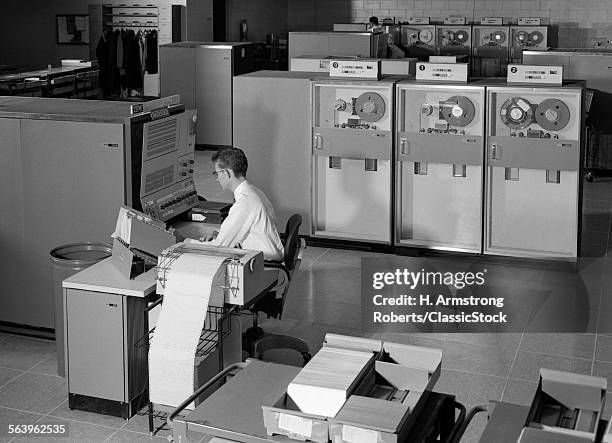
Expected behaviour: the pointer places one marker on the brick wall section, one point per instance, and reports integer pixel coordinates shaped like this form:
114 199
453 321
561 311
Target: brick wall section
581 23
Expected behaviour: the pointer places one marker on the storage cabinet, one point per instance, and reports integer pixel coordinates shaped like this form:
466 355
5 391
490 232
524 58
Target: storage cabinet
203 75
106 338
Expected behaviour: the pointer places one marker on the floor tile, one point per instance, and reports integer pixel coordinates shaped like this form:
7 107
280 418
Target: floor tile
311 255
4 336
606 300
470 389
477 359
599 222
140 423
122 436
510 274
593 284
508 341
14 417
527 365
34 392
603 352
77 432
603 369
327 283
604 325
590 265
561 311
597 250
24 352
474 431
47 366
329 313
6 375
597 205
64 412
570 345
345 256
520 392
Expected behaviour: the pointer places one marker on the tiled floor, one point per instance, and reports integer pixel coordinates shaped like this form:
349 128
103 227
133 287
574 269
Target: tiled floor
326 298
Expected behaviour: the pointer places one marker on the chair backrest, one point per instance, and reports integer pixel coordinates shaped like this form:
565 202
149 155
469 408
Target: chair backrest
292 240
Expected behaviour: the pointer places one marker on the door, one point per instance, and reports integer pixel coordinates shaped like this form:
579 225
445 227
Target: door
94 324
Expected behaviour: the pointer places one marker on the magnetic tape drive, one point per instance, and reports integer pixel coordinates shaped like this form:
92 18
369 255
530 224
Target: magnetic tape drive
454 36
519 115
365 109
494 38
525 38
447 116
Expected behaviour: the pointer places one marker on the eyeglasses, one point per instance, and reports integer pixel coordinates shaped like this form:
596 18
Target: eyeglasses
216 173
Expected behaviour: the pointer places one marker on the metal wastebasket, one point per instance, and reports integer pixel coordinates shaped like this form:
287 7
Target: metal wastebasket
67 260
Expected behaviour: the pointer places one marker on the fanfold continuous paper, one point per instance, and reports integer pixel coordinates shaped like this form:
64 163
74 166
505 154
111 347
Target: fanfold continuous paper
187 297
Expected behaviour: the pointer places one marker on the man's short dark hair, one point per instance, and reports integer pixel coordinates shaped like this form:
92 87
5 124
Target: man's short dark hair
232 158
374 20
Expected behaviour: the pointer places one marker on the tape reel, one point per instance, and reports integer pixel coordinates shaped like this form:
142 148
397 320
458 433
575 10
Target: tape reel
552 114
495 38
499 37
536 37
425 36
370 107
462 36
517 113
458 111
521 37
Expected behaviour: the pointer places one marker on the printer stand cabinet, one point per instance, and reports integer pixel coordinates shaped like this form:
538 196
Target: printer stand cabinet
106 356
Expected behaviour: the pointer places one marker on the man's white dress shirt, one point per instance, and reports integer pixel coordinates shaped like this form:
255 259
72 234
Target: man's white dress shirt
251 224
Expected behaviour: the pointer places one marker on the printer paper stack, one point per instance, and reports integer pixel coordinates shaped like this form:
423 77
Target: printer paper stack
188 290
324 384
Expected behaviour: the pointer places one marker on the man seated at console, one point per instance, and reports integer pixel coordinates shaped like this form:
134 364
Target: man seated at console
250 223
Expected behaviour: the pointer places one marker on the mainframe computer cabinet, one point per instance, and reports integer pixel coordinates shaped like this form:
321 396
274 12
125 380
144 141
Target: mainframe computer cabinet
203 75
272 125
65 172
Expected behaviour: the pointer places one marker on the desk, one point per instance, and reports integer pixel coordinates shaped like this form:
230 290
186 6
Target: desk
105 331
190 229
234 411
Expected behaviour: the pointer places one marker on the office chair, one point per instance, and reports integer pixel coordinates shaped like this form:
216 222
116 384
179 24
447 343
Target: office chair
255 340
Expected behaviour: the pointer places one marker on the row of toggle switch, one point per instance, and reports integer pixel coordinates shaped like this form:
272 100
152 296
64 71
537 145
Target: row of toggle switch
359 126
534 134
179 199
451 131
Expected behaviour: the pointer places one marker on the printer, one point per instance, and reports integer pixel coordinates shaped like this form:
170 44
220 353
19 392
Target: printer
244 276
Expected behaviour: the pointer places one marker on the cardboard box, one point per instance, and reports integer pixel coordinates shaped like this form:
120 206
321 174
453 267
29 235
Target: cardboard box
390 397
380 405
566 406
285 417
